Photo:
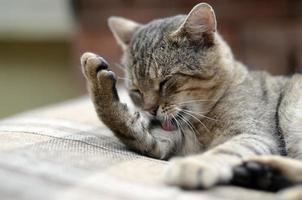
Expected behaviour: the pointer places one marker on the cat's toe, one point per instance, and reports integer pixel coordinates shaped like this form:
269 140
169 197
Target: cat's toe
106 78
92 64
106 84
193 174
182 173
258 175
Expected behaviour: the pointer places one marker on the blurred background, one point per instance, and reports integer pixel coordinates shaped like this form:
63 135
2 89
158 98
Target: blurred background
41 41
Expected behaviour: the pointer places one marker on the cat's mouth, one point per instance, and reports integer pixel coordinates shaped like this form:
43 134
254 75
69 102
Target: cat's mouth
172 124
169 125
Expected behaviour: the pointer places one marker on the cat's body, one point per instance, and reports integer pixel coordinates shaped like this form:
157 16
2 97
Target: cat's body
206 105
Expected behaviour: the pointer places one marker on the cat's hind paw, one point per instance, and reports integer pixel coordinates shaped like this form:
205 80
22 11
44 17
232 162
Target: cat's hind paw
259 175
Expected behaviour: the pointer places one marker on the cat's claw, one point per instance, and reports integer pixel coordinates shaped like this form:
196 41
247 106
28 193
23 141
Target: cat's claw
105 76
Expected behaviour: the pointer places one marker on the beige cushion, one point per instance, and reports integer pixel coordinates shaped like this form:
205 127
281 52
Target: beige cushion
65 152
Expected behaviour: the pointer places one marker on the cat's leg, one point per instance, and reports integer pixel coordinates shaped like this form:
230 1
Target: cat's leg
290 116
132 128
272 173
269 172
216 165
276 172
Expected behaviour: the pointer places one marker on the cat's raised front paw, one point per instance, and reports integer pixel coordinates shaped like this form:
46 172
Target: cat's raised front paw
193 173
92 64
101 80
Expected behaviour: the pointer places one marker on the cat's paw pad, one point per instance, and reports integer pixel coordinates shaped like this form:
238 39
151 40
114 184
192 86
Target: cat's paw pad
192 174
92 64
258 175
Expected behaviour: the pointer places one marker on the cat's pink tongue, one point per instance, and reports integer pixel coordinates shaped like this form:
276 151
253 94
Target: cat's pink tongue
168 126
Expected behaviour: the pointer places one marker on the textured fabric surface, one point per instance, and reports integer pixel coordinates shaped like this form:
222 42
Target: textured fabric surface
64 152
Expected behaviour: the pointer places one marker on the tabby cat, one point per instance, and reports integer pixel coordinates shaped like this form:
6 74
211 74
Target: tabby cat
195 101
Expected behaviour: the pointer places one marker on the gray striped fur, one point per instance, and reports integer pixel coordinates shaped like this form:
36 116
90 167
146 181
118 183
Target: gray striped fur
225 114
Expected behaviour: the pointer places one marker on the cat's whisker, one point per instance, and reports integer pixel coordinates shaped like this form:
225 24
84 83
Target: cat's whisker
180 130
196 113
200 114
187 121
165 117
120 67
195 138
179 106
194 118
170 120
123 78
197 100
184 119
199 121
173 117
177 122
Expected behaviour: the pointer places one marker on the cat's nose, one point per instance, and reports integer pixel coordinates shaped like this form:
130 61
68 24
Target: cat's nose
152 110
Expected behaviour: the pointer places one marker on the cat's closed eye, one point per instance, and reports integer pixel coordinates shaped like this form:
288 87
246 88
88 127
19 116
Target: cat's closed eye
164 83
136 97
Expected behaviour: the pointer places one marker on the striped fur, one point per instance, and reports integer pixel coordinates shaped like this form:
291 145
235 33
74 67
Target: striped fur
222 113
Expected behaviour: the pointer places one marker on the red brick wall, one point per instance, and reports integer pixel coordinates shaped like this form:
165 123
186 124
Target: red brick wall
264 34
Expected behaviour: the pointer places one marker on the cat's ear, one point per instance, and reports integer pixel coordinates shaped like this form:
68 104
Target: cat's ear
122 30
199 23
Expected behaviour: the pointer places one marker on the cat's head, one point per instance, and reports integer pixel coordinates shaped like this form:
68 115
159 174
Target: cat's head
177 67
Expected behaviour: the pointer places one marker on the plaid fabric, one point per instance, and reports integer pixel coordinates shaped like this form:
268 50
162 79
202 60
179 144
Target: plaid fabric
64 152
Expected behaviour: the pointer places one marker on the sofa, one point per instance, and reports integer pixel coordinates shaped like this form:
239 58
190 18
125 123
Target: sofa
64 152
